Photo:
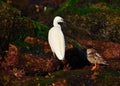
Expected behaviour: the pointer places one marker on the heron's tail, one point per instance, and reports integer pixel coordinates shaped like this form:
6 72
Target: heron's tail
59 55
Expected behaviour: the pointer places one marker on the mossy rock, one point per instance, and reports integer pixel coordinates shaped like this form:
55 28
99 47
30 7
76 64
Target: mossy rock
14 28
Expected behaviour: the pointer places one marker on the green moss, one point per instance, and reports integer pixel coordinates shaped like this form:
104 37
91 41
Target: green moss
60 74
41 31
43 81
64 6
82 11
107 77
14 28
74 7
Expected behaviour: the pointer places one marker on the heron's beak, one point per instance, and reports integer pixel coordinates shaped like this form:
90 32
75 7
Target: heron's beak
64 21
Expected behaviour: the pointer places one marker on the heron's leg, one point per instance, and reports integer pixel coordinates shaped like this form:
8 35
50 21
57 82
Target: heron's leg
53 54
63 61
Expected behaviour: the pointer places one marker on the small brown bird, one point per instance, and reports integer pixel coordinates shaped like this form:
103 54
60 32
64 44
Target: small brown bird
95 58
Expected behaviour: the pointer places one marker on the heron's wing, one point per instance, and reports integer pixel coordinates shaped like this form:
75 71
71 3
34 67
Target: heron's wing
61 43
56 41
51 38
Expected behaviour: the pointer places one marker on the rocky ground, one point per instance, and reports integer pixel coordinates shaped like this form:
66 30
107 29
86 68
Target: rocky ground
26 58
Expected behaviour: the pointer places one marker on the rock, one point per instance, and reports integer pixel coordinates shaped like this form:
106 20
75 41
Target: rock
107 49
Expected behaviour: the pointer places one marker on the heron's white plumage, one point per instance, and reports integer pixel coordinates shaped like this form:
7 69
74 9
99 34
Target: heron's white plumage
56 39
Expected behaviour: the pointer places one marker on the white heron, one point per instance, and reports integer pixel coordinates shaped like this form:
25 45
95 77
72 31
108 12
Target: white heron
56 38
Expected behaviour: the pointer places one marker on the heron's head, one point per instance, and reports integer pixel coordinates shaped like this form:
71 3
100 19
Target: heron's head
58 19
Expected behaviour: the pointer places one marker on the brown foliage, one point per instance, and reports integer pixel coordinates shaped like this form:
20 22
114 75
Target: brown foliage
33 40
18 65
11 59
60 82
109 50
54 2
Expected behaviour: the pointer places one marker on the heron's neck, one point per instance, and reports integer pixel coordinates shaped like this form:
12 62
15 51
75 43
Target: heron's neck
56 25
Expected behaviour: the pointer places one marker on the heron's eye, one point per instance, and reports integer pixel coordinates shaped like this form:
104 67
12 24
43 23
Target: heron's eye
60 23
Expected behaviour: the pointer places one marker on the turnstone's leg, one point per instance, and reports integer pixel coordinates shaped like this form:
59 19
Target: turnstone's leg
96 66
